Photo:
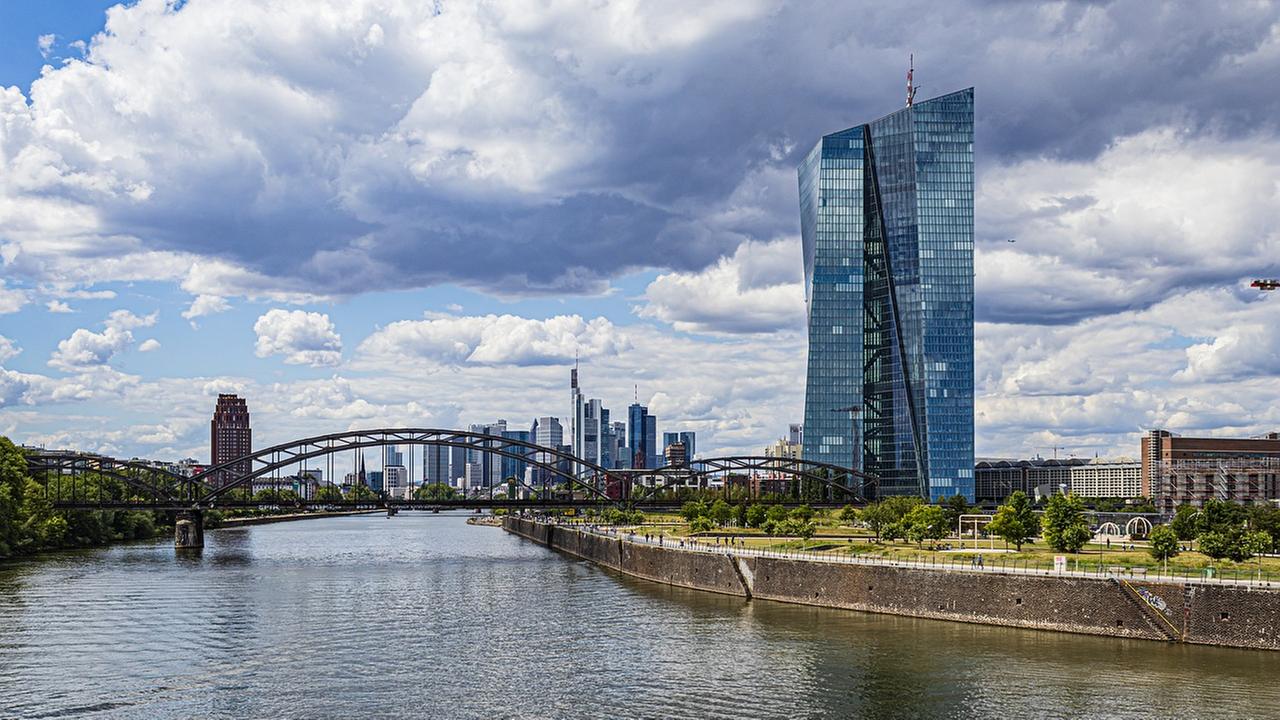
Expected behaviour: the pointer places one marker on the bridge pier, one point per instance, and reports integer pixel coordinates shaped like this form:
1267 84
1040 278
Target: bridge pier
188 531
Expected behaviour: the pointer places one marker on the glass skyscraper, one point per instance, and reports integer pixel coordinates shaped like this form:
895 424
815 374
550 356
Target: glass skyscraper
886 218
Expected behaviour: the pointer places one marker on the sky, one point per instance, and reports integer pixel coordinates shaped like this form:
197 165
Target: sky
372 213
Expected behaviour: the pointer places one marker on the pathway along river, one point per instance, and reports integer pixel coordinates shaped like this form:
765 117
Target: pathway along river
425 616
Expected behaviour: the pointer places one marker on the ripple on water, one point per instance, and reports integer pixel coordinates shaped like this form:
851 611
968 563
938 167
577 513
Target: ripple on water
424 616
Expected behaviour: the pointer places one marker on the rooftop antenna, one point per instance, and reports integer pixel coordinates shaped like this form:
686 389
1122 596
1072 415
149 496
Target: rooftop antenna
635 393
911 88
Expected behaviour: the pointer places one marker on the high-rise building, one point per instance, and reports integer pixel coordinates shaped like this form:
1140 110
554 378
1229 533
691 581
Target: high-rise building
576 410
230 437
886 218
457 466
795 434
642 437
511 467
490 464
674 454
435 464
618 448
688 439
651 442
548 432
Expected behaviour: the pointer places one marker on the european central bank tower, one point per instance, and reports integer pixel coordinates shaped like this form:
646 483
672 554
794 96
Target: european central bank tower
886 216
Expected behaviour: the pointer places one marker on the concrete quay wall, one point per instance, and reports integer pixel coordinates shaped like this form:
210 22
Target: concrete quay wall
1172 612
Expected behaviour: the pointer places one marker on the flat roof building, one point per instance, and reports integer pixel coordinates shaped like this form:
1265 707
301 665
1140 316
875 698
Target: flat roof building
1180 470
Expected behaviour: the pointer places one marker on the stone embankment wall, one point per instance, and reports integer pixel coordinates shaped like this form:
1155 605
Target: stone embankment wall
1194 613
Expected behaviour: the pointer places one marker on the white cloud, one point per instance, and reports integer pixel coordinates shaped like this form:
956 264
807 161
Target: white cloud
303 338
757 289
204 305
1102 235
86 350
45 44
11 300
57 306
8 349
149 345
495 340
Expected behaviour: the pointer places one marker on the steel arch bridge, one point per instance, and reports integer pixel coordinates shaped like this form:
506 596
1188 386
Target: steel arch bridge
567 480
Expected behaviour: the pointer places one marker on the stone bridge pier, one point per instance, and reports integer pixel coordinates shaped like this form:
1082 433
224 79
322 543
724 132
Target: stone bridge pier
188 530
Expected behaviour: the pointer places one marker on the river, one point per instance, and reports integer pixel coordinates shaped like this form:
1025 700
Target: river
425 616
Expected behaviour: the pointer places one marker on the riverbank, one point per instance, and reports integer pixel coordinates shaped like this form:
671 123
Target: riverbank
1210 613
267 519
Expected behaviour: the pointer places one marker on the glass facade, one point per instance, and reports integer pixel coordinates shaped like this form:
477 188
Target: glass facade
886 218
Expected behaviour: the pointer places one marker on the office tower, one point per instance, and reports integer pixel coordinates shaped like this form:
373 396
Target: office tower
511 467
653 456
230 437
886 216
675 454
638 426
435 464
618 448
490 464
795 434
575 412
548 432
688 439
373 480
457 466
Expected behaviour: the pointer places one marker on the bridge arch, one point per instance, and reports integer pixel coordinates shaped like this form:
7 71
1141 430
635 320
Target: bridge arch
271 459
825 474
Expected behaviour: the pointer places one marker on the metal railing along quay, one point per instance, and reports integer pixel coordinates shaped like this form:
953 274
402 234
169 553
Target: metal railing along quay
1020 567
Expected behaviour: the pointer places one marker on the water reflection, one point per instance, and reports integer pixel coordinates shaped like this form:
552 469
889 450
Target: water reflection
425 616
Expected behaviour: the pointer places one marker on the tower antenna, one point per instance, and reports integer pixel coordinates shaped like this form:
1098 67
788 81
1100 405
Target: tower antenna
911 88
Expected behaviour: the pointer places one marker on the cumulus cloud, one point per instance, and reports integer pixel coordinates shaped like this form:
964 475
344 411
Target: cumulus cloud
149 345
11 300
1156 214
86 349
8 349
45 44
495 340
204 305
303 338
598 138
57 306
757 289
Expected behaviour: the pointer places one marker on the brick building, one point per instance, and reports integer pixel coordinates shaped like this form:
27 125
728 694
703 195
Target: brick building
230 436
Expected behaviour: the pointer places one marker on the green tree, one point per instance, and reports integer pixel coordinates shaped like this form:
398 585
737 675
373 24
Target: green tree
953 507
328 493
925 522
1164 543
740 514
435 491
1064 526
1254 544
701 523
776 513
895 530
720 512
849 515
1185 524
693 510
13 485
1266 518
1220 516
876 517
804 513
756 515
1015 521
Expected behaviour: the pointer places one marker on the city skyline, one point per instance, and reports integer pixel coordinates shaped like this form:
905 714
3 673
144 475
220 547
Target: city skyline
1139 201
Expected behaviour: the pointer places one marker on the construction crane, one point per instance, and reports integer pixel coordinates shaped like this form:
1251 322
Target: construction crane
1265 284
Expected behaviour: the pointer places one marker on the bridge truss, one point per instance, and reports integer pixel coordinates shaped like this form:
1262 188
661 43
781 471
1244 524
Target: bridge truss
561 478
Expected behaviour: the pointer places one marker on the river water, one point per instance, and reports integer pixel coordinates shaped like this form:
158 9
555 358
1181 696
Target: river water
425 616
